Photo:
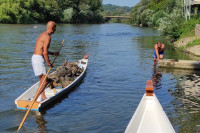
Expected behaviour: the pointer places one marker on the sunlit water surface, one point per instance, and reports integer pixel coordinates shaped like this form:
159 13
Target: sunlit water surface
120 63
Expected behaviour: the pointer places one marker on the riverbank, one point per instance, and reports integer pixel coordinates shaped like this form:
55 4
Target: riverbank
170 21
189 45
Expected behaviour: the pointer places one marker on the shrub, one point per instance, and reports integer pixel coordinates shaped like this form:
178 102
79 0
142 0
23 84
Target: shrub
5 19
67 15
147 17
157 17
169 25
136 14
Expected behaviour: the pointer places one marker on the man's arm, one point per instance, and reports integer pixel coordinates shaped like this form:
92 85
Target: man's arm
156 49
163 47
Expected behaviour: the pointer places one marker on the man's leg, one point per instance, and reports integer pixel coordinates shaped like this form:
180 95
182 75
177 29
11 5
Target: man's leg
42 92
155 61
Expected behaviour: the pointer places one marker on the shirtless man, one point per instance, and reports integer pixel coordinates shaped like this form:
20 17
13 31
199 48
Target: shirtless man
40 55
159 52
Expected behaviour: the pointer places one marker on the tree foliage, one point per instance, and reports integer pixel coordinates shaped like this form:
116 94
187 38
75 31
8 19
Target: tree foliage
38 11
169 25
166 15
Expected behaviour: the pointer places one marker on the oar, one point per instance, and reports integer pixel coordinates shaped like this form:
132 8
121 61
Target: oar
37 93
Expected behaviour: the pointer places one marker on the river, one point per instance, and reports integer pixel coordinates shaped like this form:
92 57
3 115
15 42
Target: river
120 63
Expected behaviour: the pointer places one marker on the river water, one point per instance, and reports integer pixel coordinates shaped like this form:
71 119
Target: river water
120 63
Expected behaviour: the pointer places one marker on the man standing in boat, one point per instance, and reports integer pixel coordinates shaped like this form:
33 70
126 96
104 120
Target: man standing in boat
159 52
40 55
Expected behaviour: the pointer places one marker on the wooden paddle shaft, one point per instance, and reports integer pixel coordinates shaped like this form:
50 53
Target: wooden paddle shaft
58 51
38 92
34 99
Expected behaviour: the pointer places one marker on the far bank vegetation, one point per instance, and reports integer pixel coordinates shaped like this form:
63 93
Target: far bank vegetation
61 11
167 16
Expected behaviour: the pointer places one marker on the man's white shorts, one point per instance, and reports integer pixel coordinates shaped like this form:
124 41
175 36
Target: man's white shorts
38 65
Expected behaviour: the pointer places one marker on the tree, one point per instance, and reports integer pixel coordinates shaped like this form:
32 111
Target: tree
38 11
67 15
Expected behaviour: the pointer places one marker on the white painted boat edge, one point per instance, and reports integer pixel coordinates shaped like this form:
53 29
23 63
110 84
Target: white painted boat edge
149 117
57 95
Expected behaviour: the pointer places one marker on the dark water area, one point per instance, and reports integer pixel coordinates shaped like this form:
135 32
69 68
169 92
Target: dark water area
120 63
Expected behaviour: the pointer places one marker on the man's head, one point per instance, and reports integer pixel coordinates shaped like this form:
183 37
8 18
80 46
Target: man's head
159 44
51 27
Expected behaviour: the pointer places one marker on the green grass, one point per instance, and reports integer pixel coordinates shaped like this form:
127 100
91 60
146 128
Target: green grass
191 44
187 27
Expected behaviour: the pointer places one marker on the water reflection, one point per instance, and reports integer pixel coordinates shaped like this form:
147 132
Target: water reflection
41 121
186 100
156 78
190 92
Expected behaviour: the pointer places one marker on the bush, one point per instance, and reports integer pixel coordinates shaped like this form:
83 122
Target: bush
67 15
169 25
5 19
157 17
147 17
136 14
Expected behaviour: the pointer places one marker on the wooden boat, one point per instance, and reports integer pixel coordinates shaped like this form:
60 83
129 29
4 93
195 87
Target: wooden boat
52 95
149 116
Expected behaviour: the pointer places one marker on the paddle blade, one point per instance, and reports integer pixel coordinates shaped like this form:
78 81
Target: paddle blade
62 42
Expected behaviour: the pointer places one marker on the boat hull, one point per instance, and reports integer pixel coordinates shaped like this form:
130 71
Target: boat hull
24 101
149 116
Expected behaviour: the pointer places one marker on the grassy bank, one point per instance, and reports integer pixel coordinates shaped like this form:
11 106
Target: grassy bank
187 40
